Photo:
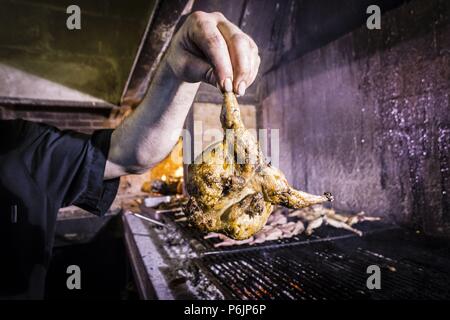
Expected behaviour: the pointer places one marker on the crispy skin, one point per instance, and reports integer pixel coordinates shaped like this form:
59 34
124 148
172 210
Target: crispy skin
233 188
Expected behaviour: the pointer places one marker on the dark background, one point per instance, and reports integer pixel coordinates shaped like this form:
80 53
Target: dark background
96 59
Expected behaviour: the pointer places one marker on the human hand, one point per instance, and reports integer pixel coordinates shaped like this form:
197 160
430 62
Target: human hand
210 48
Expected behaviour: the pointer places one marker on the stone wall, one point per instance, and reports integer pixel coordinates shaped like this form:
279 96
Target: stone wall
367 117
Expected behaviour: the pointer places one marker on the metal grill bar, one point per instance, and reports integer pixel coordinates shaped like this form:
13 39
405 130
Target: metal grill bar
330 265
324 271
206 246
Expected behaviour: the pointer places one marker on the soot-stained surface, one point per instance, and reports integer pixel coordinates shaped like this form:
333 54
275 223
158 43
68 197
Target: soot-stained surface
367 117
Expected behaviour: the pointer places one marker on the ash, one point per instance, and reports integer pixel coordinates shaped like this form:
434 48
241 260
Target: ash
181 258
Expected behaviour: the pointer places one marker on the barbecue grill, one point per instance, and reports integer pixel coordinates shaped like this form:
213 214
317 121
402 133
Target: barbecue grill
331 264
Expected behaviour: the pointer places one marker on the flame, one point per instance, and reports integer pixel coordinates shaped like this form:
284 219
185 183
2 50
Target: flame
168 170
178 172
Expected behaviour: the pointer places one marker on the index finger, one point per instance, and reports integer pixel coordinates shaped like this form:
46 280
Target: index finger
241 49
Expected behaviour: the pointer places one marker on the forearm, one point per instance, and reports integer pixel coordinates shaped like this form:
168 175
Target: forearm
148 135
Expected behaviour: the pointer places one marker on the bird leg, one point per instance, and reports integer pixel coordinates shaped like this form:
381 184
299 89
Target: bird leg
296 199
278 191
230 116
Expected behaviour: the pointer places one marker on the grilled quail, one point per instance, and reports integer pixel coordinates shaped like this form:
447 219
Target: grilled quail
232 188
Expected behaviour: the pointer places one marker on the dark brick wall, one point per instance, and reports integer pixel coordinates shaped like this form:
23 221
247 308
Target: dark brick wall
79 119
367 117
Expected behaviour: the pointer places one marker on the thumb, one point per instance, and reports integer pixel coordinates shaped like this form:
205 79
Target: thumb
194 69
203 70
210 77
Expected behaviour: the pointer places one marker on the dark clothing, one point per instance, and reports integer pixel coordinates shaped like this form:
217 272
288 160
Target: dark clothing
41 170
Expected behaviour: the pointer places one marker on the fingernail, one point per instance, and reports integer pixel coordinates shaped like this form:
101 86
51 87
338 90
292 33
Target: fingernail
228 85
241 88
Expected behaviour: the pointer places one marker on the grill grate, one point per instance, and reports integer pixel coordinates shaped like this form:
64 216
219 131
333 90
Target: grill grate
331 264
330 270
324 233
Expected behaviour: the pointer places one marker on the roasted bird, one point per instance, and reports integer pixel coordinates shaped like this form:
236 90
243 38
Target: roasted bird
233 188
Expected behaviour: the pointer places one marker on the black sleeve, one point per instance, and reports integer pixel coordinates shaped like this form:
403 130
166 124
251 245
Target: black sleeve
69 166
97 194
